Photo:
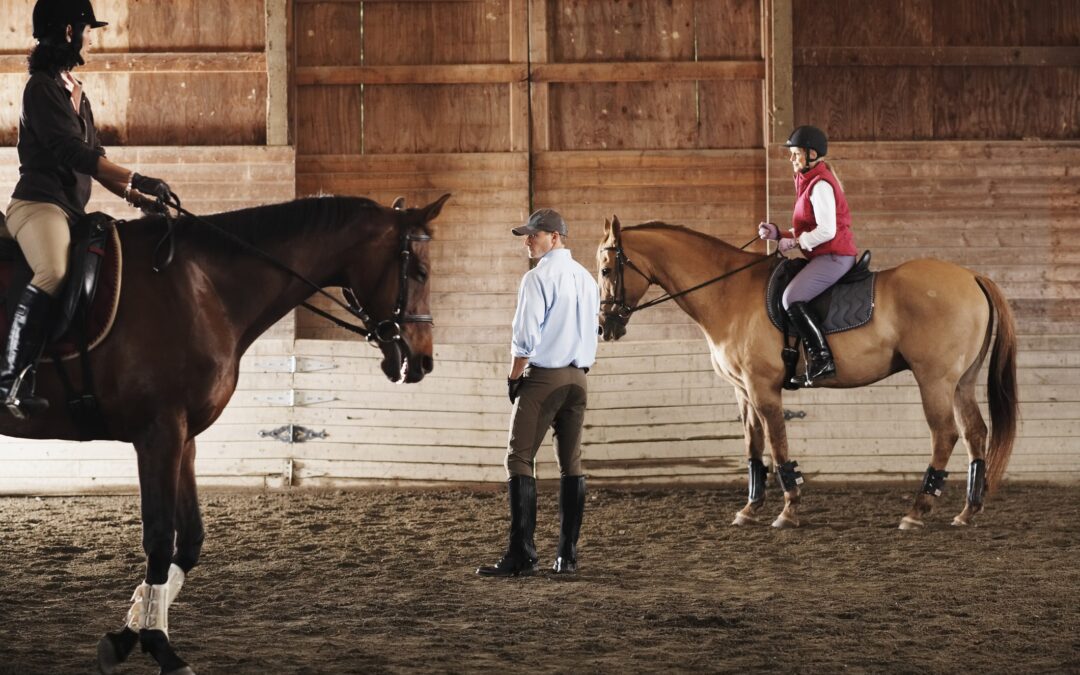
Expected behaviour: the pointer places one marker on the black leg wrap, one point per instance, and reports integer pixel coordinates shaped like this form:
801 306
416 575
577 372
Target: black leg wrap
976 482
758 474
790 476
157 645
934 481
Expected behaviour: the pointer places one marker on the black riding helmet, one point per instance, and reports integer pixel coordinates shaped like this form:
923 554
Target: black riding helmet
52 16
809 138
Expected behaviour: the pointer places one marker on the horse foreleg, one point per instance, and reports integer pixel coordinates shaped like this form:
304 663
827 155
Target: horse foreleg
757 474
159 457
938 407
114 648
770 410
189 526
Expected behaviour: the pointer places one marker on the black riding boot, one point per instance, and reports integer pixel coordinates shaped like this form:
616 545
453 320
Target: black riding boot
520 557
25 342
819 360
571 507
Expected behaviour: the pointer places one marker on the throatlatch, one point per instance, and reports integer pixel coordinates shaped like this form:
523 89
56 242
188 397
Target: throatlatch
790 476
934 481
758 474
976 482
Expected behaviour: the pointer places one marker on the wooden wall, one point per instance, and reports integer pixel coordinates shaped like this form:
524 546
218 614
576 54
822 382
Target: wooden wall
181 90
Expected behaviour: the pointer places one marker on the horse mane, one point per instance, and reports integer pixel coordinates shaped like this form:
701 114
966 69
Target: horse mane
310 215
660 225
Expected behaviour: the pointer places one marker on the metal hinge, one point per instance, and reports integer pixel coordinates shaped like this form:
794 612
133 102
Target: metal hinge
793 414
292 433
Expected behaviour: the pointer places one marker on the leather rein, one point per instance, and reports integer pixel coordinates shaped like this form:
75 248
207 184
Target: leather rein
622 311
385 331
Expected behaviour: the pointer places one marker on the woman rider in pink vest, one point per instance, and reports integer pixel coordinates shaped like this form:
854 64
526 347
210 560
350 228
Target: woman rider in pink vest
821 228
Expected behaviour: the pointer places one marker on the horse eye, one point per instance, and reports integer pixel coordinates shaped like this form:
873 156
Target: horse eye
421 275
606 271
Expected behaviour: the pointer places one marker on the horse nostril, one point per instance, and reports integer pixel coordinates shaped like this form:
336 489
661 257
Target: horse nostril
427 363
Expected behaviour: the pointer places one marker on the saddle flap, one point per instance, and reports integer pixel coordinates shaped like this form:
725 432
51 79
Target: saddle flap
89 240
846 305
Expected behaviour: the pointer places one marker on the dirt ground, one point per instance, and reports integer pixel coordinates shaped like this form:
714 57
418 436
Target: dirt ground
383 581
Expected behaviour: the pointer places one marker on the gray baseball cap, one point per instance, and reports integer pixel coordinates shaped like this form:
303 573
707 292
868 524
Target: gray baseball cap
542 220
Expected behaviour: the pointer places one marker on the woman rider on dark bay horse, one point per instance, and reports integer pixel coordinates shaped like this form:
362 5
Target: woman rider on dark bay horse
822 229
59 153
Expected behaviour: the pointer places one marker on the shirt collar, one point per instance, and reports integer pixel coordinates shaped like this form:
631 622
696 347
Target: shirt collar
554 253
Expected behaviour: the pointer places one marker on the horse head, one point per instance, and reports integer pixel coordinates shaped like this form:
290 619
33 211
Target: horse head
398 300
619 292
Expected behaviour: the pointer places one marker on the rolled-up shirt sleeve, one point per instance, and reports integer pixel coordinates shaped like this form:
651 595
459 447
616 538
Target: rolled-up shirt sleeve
528 318
46 111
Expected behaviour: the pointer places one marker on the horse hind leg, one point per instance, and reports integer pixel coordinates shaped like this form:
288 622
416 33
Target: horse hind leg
974 433
938 407
757 474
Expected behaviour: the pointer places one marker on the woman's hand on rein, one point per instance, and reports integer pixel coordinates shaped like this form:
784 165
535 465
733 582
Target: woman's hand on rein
788 245
768 231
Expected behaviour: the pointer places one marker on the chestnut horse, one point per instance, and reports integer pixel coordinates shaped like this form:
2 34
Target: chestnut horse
931 317
171 362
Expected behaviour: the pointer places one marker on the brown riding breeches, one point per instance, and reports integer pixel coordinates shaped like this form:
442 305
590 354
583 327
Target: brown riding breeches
549 397
42 232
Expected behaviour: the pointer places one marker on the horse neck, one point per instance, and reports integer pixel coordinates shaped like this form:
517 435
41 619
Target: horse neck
679 260
257 294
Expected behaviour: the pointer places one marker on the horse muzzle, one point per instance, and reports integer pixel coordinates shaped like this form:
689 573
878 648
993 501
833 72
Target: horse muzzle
612 327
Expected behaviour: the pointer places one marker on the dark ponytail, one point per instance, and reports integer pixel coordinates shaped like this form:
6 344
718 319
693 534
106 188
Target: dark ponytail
54 54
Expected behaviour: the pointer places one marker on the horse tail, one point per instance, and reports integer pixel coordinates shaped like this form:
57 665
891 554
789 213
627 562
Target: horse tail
1000 385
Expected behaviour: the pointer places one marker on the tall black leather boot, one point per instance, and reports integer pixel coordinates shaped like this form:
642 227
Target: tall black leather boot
571 508
819 360
520 557
25 342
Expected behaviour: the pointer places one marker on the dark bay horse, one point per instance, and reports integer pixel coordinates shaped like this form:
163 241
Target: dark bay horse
171 362
931 317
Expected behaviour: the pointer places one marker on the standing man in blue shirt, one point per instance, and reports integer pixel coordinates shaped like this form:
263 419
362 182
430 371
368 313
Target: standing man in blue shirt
554 345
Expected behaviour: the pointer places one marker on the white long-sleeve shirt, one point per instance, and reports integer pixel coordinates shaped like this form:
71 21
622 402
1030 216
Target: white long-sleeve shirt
557 313
823 200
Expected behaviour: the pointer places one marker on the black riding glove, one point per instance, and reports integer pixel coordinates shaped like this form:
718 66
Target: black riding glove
513 386
154 187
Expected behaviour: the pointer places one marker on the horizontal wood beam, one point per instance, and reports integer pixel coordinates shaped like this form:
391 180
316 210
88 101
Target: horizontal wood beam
497 73
170 62
637 71
937 56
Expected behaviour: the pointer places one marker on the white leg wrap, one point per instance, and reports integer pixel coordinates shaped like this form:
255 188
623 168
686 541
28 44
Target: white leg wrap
150 603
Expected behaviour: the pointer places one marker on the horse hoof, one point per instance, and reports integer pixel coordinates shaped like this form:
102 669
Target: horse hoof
782 522
960 522
744 519
107 657
909 523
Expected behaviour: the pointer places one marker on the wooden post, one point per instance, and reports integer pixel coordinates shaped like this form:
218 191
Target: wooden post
780 99
277 73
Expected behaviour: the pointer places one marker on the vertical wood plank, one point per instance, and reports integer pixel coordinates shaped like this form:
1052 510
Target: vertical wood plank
277 73
539 101
518 19
781 100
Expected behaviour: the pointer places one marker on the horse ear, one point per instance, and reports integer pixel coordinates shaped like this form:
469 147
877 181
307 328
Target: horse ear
616 226
431 211
607 228
399 204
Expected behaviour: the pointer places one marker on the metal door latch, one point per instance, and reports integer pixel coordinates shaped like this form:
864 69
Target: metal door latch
291 433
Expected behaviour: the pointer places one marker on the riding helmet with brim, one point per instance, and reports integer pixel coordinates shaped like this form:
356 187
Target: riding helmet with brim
809 138
51 16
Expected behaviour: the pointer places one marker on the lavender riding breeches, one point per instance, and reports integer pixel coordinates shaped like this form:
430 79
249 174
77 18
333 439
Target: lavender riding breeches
818 275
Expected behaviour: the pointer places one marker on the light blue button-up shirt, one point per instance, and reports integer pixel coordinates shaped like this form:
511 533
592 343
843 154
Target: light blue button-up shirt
557 313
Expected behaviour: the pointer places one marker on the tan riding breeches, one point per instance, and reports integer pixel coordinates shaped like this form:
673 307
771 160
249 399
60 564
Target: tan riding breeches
549 398
42 232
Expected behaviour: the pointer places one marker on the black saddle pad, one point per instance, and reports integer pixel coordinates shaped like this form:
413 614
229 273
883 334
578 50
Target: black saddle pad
848 304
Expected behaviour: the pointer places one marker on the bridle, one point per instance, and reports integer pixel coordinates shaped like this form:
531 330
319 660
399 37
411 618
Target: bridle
621 311
388 330
376 332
